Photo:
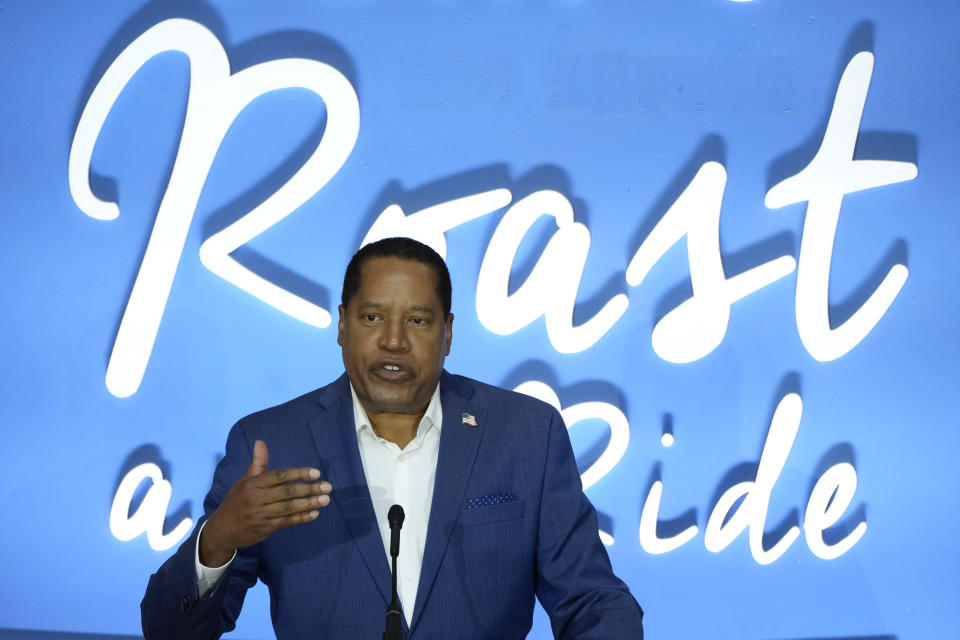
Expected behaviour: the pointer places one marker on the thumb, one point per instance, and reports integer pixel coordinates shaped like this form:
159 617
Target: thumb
259 463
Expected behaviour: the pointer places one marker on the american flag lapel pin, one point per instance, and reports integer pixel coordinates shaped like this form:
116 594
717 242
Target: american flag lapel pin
468 419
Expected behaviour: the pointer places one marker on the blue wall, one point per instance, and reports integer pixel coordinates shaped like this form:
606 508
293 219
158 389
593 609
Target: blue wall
615 106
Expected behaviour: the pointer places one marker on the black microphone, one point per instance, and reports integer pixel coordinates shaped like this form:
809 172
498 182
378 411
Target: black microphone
395 518
394 629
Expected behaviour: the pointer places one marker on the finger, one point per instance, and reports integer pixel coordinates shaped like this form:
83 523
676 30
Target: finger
295 506
299 474
290 491
292 519
259 462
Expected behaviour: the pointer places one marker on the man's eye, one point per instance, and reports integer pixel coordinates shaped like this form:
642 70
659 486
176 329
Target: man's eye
370 317
418 321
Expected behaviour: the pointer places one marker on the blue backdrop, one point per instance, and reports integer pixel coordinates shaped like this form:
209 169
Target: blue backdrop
615 107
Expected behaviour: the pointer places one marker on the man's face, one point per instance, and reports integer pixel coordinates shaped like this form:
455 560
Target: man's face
394 336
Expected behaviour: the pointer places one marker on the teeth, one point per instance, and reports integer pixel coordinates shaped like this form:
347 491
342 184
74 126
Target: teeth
391 367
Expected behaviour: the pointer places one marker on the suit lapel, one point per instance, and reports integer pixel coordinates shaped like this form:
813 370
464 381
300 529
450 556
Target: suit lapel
335 436
458 450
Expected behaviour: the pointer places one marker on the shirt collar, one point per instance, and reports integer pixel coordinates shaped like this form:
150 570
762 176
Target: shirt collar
432 417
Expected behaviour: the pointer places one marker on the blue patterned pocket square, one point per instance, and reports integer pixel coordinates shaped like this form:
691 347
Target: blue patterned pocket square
490 500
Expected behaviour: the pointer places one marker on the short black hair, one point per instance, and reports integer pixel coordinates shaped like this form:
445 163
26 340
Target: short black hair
406 249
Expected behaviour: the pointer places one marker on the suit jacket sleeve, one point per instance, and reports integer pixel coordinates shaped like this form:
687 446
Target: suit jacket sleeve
171 607
575 581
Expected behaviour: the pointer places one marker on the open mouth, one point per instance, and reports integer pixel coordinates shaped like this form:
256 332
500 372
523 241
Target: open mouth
391 372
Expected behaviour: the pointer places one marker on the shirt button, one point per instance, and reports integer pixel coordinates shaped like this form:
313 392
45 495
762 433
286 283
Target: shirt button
408 575
402 457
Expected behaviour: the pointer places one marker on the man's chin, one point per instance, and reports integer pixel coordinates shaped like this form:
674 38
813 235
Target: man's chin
395 404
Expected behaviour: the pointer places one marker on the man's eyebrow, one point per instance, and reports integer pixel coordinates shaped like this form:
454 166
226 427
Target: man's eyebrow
421 309
376 306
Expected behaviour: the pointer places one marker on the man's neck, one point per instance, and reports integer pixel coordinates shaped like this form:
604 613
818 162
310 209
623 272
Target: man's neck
398 428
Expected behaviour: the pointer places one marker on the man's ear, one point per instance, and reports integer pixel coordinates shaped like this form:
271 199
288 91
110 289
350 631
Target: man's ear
449 327
340 323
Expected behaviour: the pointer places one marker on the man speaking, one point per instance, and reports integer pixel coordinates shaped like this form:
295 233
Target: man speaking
495 511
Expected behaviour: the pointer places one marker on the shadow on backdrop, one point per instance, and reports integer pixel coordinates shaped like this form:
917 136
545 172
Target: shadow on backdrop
104 187
870 145
285 44
673 526
711 149
747 471
666 425
146 17
581 391
444 189
143 454
498 176
842 452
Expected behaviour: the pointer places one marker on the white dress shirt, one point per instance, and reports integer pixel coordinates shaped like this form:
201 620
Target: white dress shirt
394 476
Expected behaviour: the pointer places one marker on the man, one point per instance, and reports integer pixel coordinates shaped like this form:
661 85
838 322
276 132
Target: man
495 511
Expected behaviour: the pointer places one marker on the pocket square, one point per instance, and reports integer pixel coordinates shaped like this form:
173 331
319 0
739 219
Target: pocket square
489 500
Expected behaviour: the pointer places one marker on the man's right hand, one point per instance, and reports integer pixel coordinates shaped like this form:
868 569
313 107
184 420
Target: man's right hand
260 503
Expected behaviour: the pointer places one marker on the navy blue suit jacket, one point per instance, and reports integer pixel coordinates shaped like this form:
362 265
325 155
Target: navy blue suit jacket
508 521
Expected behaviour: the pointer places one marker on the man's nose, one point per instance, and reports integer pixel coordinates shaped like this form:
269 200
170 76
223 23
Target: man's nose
394 337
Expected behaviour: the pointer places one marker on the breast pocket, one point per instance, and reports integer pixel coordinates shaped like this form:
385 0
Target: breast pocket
492 513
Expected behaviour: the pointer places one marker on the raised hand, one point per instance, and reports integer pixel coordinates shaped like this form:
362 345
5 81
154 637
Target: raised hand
260 503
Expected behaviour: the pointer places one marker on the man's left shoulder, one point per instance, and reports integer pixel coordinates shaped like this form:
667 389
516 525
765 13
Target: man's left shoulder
497 399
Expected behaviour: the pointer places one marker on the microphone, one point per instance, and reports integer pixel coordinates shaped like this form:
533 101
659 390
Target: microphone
394 629
395 518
